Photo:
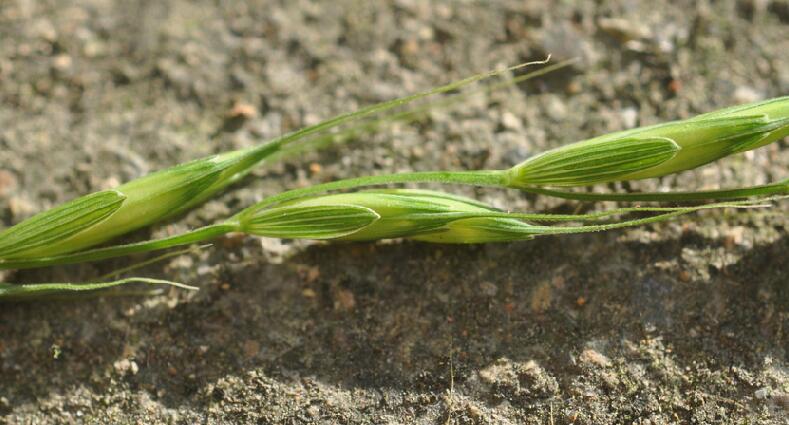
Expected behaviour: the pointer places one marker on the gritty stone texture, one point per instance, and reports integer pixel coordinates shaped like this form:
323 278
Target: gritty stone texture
682 322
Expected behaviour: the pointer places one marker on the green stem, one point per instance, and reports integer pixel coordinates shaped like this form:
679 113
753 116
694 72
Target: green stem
495 178
282 144
555 230
778 188
210 232
14 292
498 178
668 212
160 258
405 116
619 211
384 106
197 235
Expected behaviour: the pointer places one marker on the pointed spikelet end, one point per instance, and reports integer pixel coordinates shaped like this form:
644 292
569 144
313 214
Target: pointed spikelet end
41 231
657 150
386 214
593 162
308 222
96 218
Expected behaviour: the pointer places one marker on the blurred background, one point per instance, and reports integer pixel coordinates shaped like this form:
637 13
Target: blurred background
678 322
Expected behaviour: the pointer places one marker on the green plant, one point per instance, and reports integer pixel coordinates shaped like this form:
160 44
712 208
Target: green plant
93 219
423 215
66 233
96 218
10 291
640 153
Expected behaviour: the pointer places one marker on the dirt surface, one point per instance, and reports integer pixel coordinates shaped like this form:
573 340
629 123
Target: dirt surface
684 322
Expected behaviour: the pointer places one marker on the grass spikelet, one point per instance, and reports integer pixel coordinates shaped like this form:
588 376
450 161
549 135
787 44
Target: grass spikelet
697 141
170 192
66 234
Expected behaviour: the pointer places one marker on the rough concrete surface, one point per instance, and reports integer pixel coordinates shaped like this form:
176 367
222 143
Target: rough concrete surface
681 322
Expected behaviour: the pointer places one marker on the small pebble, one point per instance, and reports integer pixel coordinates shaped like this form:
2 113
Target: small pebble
541 298
558 282
684 276
734 237
409 47
623 29
62 62
242 110
8 182
781 400
344 300
511 121
251 348
590 356
126 367
556 109
674 86
314 411
629 117
313 273
488 289
745 94
509 308
573 87
20 207
315 168
475 412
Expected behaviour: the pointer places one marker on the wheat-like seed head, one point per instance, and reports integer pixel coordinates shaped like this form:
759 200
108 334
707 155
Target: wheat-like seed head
657 150
98 217
385 214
